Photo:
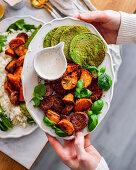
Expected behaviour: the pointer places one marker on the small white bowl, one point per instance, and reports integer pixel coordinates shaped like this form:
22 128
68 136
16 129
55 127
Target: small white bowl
44 55
17 5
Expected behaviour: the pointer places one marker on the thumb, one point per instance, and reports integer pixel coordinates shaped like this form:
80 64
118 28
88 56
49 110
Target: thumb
79 145
94 16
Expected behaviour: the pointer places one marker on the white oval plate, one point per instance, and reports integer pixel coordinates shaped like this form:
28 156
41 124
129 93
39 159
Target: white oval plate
18 131
30 78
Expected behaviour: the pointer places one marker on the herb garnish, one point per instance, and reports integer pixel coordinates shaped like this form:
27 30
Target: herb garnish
38 94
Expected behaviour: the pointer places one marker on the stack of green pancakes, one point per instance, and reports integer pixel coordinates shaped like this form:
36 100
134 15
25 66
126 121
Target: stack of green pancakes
81 46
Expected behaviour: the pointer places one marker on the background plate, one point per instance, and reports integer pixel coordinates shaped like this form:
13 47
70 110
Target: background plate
30 78
18 131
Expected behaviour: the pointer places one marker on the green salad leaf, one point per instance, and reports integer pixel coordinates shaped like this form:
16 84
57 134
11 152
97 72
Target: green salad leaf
26 113
5 122
93 121
3 39
80 91
28 27
38 94
32 36
39 90
20 25
97 106
48 122
36 101
58 131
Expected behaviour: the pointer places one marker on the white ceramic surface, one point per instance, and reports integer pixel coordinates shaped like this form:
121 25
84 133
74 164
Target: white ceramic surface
58 49
17 5
30 78
18 131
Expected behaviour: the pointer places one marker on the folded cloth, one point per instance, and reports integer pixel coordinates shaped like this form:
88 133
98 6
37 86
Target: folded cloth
74 7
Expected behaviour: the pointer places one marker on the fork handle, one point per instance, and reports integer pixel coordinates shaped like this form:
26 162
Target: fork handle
54 15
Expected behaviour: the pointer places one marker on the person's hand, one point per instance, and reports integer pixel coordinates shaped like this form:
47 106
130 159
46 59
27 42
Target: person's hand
106 22
77 154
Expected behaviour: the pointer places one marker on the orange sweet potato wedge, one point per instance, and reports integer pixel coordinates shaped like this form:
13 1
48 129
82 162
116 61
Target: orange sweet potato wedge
11 66
20 61
15 78
8 87
71 67
82 104
66 126
20 50
53 116
21 97
10 52
16 42
70 81
87 77
69 98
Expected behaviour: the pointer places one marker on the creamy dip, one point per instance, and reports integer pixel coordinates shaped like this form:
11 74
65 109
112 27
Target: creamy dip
13 2
50 65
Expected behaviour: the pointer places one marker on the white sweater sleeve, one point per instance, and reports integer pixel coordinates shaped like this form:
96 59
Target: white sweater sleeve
102 165
127 31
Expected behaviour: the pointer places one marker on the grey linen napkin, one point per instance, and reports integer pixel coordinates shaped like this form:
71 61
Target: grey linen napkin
74 7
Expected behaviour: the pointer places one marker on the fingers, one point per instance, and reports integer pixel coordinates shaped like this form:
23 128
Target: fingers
87 140
56 145
94 16
79 145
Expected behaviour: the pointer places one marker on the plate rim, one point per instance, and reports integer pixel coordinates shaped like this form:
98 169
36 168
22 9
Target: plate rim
3 136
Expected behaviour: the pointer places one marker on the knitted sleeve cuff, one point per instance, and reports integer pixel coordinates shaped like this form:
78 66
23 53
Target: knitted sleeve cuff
127 31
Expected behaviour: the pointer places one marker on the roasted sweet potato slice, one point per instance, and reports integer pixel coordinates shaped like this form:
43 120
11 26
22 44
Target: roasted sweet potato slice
49 90
59 89
16 42
46 103
21 97
15 78
8 87
20 50
23 35
66 126
82 104
67 109
65 117
14 97
71 67
57 105
70 81
20 61
10 52
87 77
69 98
53 116
79 120
96 91
11 66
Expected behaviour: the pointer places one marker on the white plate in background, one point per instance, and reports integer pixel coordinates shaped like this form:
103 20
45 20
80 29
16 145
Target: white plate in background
18 131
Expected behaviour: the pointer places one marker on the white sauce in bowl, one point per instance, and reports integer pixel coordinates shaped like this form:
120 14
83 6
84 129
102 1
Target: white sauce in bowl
50 63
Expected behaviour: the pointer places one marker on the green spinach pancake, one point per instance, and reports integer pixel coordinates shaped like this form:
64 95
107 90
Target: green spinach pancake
47 39
87 48
69 34
56 36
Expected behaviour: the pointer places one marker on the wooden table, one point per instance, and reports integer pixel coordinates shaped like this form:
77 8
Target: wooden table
128 6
